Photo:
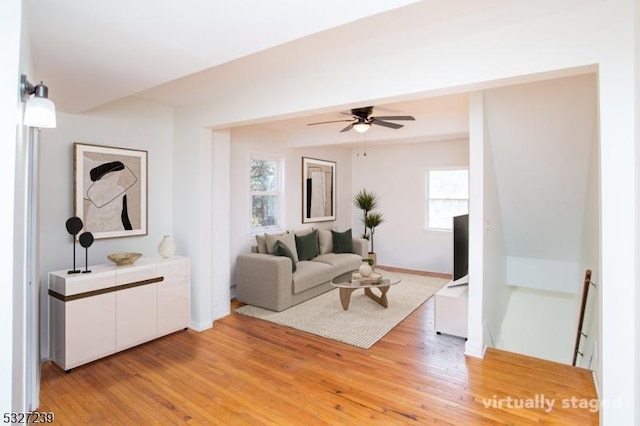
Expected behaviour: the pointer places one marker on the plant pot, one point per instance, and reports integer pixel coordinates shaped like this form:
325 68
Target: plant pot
373 257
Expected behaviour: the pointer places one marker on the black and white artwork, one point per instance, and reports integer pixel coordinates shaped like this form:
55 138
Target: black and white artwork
318 190
110 190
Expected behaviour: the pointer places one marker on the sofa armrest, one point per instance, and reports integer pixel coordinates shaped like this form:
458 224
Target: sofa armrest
361 247
264 280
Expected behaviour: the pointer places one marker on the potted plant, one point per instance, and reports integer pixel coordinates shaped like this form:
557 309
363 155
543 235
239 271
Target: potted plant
373 220
365 201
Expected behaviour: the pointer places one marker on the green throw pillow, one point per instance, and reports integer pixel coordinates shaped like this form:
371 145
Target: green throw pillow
342 241
281 249
307 245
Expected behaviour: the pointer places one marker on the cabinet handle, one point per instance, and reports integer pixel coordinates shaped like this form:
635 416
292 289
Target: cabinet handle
104 290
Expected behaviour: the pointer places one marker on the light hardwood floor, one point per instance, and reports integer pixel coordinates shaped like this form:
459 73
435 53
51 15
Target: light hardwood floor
246 371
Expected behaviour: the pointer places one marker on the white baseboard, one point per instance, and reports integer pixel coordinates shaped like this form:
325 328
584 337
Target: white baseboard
199 327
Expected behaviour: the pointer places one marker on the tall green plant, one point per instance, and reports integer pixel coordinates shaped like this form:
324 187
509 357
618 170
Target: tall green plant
373 220
365 201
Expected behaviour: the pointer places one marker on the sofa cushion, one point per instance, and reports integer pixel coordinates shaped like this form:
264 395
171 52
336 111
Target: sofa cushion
310 274
325 240
303 232
340 263
307 246
281 249
287 238
342 241
261 243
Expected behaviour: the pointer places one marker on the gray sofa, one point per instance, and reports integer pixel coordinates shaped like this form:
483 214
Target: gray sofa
267 280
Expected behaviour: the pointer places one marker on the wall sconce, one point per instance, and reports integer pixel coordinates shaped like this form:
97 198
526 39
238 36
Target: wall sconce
39 110
361 126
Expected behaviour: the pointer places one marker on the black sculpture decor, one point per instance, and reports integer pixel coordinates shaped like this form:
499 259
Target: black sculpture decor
74 225
86 239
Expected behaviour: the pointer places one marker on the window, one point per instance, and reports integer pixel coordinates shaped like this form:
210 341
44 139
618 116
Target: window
446 196
265 188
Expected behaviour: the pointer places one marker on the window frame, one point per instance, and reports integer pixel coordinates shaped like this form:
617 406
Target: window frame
427 194
278 192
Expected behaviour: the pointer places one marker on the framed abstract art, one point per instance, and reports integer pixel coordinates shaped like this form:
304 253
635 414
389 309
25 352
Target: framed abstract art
110 190
318 190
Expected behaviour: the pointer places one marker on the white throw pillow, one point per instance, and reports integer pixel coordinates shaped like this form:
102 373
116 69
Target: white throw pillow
262 244
325 240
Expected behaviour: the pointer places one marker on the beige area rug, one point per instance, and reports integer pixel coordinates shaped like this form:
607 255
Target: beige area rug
365 322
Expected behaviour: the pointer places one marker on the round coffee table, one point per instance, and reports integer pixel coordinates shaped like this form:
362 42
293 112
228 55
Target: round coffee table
347 285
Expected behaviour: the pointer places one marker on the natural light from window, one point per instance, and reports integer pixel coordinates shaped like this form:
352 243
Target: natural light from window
446 196
265 193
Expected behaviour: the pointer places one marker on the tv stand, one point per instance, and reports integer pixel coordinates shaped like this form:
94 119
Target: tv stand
459 282
451 307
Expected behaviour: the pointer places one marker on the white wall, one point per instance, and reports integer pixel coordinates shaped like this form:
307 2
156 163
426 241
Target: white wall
10 32
496 293
128 123
637 170
396 173
192 206
540 323
541 136
246 140
590 259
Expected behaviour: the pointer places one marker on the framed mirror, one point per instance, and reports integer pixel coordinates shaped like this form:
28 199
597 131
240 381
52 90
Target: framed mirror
318 190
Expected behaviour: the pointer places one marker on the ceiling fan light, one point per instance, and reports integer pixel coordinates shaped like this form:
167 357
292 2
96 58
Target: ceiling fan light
361 127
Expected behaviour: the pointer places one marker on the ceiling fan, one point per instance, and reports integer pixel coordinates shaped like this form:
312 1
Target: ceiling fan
361 120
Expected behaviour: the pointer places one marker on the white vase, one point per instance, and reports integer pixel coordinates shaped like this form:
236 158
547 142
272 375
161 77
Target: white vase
166 248
365 269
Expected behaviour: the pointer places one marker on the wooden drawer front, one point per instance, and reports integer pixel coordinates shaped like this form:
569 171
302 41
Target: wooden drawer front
89 329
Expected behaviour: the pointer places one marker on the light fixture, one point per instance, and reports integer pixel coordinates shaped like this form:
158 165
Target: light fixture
361 126
39 110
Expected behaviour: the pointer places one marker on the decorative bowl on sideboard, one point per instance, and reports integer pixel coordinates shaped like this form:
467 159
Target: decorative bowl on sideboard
122 259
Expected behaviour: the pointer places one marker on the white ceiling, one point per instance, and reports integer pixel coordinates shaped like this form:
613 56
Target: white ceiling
176 53
92 52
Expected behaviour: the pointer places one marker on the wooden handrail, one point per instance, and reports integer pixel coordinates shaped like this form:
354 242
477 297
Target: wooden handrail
583 306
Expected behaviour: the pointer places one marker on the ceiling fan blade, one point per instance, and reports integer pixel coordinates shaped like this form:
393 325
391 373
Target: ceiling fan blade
346 129
385 123
396 117
326 122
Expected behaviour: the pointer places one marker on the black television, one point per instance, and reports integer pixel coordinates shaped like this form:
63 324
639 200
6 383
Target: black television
460 249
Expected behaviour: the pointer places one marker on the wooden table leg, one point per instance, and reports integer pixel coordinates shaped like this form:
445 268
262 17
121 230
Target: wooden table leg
345 296
382 299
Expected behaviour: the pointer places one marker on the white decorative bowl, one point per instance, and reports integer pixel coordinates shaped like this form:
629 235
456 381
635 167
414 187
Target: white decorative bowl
375 278
122 259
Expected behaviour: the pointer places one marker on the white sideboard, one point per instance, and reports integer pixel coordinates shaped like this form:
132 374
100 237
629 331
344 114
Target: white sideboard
113 308
451 307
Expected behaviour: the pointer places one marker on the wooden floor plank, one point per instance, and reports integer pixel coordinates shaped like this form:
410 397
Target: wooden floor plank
245 371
